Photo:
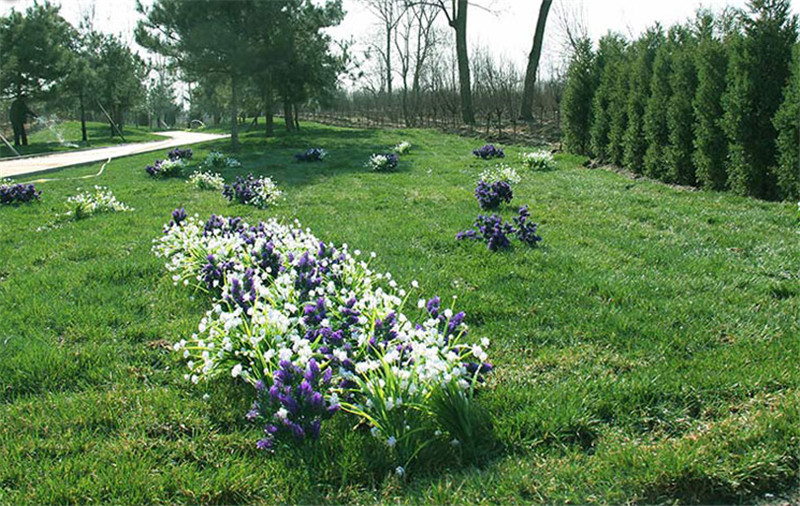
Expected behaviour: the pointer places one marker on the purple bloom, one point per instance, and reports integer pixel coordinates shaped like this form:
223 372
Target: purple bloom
488 151
311 155
525 231
490 196
180 154
18 193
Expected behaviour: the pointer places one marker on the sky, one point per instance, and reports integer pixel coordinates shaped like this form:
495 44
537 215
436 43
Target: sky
504 26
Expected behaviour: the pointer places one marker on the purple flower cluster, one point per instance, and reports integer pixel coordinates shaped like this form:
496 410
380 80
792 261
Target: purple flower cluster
495 232
488 152
311 155
154 169
490 196
260 192
180 154
18 193
294 407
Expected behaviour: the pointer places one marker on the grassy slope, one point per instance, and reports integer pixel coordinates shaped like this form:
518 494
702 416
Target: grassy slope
647 351
45 141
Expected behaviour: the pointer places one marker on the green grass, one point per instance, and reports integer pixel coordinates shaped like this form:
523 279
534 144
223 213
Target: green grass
43 140
647 352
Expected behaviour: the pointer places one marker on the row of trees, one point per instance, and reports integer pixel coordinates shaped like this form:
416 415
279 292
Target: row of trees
78 71
712 103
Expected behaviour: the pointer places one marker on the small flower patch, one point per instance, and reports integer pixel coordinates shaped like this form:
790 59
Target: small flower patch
217 161
16 193
311 155
206 180
403 148
180 154
494 186
382 162
260 192
495 232
538 160
101 200
166 168
488 151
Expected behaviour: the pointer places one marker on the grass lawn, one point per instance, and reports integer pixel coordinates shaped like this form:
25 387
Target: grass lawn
45 140
647 351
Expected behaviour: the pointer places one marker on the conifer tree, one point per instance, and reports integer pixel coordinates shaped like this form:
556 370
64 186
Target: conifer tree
618 107
609 60
757 74
655 115
710 142
634 143
787 123
680 113
576 105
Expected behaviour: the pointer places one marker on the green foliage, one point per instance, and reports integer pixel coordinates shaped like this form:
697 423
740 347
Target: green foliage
618 106
35 49
757 74
787 123
710 142
680 114
576 106
655 117
609 60
643 54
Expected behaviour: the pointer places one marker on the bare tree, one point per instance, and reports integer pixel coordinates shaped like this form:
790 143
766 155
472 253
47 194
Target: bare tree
415 40
389 12
526 111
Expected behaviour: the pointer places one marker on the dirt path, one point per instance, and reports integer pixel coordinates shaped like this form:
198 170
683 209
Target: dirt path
29 165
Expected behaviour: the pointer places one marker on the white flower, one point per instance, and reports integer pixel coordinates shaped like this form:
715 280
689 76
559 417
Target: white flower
236 371
391 441
400 471
282 413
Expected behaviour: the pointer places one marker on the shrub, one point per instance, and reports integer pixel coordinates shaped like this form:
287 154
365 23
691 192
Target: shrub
260 192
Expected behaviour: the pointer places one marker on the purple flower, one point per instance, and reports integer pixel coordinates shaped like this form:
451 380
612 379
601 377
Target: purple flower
525 231
180 154
488 151
311 155
18 193
490 196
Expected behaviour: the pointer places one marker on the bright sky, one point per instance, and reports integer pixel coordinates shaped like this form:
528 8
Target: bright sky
507 28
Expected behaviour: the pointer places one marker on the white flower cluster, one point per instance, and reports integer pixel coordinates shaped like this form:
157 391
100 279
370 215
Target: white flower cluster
216 161
169 168
402 148
206 180
500 172
538 160
6 182
282 295
98 201
382 162
266 193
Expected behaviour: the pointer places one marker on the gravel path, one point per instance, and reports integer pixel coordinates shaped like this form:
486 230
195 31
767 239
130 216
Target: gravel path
31 164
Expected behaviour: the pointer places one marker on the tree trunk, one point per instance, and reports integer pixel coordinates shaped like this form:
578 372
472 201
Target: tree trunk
84 137
268 106
296 117
526 111
234 114
287 114
389 64
465 84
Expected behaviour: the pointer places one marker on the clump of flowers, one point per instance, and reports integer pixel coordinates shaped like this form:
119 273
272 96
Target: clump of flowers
501 172
180 154
311 155
488 152
17 193
495 232
402 148
318 333
538 160
206 180
218 161
382 162
166 168
101 200
260 192
494 186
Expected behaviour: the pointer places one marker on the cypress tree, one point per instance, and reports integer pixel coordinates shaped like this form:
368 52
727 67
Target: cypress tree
680 113
608 61
655 114
757 74
617 106
710 142
787 123
576 105
634 142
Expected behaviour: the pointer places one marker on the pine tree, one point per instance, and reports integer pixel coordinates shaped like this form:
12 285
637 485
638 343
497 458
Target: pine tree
710 142
655 115
634 142
680 113
608 61
576 105
787 123
757 74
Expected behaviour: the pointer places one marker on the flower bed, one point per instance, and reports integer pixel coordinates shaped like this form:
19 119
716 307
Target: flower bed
538 160
494 186
382 162
166 168
311 155
318 333
488 151
16 193
403 148
101 200
207 180
260 192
